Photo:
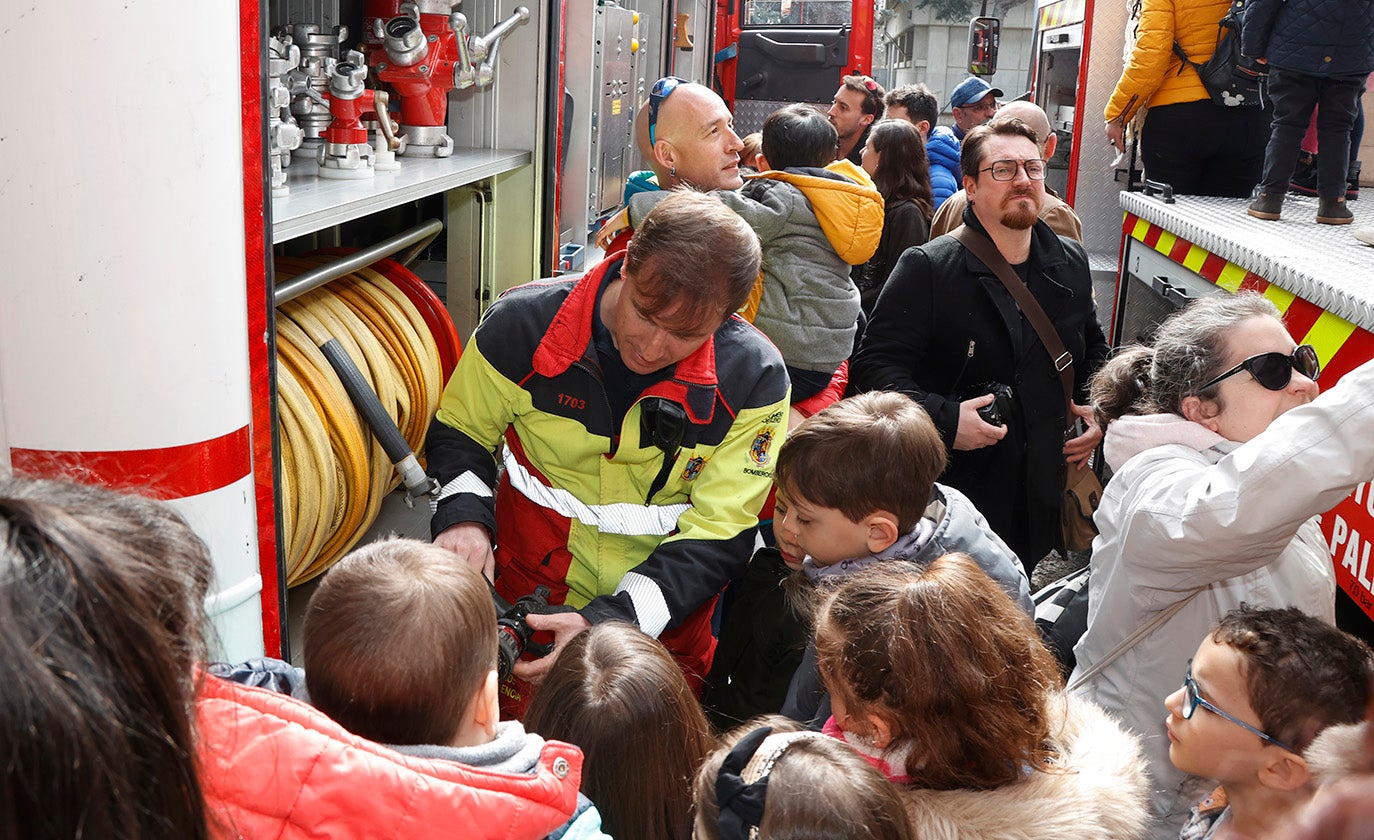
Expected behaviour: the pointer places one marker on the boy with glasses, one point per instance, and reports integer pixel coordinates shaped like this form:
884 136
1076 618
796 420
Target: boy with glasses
1260 689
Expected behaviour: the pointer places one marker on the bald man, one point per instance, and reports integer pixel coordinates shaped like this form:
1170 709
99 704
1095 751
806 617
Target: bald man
1053 211
692 143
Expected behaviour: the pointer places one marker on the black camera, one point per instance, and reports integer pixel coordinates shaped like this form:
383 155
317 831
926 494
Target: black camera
513 632
999 411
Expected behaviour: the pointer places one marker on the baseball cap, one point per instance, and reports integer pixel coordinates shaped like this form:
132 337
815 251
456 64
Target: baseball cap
972 89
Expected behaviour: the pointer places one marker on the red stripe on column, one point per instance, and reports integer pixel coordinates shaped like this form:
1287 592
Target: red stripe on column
1212 267
1179 252
1152 235
173 472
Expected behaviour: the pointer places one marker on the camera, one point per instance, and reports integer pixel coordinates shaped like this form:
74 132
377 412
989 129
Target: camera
999 411
513 632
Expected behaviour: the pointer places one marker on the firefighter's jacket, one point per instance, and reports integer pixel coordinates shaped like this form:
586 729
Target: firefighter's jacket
574 507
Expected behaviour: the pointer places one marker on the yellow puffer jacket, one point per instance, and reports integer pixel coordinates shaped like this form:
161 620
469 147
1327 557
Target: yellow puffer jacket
1152 74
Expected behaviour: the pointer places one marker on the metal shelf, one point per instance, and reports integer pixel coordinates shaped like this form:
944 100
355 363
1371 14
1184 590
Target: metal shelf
315 203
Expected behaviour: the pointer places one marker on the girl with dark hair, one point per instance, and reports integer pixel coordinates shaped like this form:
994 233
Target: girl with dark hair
1223 456
941 682
896 159
771 779
100 628
618 695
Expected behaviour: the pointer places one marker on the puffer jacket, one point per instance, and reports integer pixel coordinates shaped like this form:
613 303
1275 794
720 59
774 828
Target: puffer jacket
1100 793
813 224
274 767
1316 37
943 151
1187 510
1154 75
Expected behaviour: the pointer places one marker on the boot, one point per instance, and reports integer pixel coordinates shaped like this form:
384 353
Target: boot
1304 180
1267 206
1352 181
1332 211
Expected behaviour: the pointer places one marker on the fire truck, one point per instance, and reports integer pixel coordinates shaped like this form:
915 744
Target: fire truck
182 308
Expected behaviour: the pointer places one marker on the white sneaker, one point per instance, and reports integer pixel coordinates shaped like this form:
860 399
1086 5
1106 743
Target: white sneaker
1365 235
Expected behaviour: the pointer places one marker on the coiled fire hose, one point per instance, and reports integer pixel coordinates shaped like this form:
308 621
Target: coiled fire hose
334 471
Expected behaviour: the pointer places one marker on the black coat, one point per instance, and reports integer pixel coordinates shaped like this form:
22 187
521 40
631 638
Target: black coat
945 326
1316 37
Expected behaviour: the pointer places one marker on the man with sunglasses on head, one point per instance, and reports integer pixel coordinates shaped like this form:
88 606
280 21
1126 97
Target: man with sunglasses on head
636 419
947 332
853 110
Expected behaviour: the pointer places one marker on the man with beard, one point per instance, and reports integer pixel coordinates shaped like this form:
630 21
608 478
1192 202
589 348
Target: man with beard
947 332
853 110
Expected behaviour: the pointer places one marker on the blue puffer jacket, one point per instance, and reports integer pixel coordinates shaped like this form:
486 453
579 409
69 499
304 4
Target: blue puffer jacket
1316 37
943 150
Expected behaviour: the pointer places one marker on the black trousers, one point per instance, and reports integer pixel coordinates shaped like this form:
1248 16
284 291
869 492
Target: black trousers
1204 149
1294 94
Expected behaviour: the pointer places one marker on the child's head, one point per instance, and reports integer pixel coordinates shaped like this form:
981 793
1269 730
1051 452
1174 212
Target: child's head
798 135
400 646
753 147
1279 671
618 695
792 784
941 657
857 475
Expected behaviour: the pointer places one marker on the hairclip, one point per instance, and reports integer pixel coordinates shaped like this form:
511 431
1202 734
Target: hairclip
742 783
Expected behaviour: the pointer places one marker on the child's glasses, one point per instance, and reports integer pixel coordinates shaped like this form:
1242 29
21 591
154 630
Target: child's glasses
1192 699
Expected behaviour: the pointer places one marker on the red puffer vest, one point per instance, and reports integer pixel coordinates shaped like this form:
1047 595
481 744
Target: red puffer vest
274 767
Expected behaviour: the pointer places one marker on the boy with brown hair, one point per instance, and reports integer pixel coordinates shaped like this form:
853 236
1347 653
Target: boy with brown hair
856 488
1260 690
400 648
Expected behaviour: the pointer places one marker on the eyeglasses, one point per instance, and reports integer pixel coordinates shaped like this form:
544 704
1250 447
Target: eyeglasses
1275 370
1192 699
662 89
1005 170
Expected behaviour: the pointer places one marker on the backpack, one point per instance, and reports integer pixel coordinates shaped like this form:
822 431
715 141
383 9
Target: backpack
1231 79
1061 615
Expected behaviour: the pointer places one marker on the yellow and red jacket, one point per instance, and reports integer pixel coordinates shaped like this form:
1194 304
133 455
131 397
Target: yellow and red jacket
620 528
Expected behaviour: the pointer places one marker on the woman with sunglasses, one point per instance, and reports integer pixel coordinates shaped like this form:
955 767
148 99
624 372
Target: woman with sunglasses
1223 456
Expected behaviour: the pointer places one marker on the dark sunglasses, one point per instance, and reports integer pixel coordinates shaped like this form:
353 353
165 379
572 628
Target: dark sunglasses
1275 370
662 89
1192 699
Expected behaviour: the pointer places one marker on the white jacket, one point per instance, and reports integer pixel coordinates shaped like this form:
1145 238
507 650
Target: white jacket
1098 789
1188 509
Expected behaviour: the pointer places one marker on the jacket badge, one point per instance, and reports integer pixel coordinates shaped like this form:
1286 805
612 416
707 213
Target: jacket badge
693 468
763 441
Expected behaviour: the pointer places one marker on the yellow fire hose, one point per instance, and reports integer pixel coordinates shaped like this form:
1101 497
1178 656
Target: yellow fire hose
334 473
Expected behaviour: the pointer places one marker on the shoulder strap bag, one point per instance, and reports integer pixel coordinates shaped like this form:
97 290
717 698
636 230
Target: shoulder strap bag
1082 488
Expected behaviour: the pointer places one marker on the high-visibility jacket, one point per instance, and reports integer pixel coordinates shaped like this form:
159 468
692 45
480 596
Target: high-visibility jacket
615 524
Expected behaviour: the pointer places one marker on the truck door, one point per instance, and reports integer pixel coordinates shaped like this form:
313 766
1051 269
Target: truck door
795 51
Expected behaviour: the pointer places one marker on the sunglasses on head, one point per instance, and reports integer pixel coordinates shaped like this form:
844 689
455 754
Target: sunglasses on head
662 89
1275 370
870 84
1192 699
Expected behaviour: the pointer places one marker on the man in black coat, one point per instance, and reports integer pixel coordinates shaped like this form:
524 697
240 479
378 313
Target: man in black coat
945 329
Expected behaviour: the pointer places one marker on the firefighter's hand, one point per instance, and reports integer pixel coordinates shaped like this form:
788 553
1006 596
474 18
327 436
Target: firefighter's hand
565 627
1115 135
973 431
1079 449
472 542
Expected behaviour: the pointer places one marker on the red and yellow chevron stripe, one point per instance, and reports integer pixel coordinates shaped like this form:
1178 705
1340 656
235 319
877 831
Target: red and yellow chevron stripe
1061 13
1340 345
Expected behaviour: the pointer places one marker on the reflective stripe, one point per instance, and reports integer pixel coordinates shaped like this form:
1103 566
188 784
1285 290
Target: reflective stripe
468 482
621 518
650 607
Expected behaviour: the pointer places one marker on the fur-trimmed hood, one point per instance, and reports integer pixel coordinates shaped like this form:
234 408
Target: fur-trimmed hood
1339 751
1102 793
